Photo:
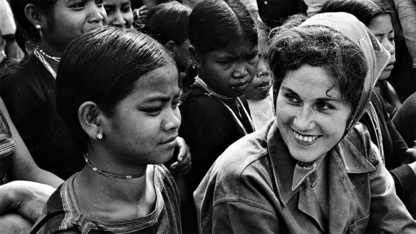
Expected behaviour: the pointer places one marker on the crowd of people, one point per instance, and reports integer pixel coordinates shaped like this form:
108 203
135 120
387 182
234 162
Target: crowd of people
207 116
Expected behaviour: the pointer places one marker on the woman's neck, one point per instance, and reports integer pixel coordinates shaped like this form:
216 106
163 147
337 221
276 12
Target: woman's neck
50 51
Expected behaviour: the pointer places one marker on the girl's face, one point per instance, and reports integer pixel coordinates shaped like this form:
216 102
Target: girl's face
71 18
119 13
310 112
228 71
182 56
259 88
382 28
144 126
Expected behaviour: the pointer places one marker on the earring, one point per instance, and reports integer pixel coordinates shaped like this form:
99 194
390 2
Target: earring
39 28
100 136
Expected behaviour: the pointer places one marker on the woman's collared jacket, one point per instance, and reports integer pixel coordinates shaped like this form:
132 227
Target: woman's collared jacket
248 190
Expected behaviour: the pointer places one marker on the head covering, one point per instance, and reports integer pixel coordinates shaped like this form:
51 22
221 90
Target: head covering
377 58
376 55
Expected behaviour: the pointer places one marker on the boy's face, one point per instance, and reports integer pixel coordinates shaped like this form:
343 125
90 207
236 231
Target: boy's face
144 126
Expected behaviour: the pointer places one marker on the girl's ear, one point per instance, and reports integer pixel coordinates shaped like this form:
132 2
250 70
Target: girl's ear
33 15
170 45
194 54
89 115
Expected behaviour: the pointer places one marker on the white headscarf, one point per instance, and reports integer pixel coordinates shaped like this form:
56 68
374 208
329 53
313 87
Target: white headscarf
376 55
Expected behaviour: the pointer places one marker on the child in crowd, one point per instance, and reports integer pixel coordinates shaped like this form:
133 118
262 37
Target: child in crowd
215 114
169 21
258 93
125 111
398 157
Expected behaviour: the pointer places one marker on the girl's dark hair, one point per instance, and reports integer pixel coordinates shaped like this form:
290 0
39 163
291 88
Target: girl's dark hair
26 29
102 66
170 21
214 24
364 10
318 46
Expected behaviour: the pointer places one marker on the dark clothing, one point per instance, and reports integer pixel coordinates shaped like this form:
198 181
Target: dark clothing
28 90
275 12
249 190
393 145
62 213
405 120
208 128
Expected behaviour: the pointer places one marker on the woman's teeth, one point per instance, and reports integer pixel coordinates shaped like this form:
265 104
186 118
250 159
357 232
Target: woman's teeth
304 138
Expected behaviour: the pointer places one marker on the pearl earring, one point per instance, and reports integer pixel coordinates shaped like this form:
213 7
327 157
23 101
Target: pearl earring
100 136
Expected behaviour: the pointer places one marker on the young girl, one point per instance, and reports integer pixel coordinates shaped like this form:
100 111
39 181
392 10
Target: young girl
126 112
258 93
28 89
223 40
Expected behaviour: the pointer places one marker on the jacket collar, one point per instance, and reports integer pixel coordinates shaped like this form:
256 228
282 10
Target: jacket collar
343 159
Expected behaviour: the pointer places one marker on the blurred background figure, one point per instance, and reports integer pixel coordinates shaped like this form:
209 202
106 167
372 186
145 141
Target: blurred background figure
10 52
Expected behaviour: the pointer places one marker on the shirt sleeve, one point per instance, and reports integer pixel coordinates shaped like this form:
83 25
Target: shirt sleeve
388 213
7 24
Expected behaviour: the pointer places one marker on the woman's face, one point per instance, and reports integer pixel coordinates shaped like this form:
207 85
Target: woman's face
259 88
119 13
311 113
382 28
228 71
144 125
71 18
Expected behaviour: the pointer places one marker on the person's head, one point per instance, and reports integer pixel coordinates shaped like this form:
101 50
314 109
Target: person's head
129 95
323 80
376 15
119 13
259 88
223 40
170 22
54 23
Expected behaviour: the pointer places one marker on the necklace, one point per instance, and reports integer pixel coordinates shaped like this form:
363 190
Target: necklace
109 174
211 93
56 59
45 63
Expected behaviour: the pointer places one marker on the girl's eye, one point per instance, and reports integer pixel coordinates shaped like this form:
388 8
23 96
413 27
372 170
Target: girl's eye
109 10
176 104
126 8
99 3
392 39
153 111
77 5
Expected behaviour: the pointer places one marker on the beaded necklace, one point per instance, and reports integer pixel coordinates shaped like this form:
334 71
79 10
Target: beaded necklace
109 174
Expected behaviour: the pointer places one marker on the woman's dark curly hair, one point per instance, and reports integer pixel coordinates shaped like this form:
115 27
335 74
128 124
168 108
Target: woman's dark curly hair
292 47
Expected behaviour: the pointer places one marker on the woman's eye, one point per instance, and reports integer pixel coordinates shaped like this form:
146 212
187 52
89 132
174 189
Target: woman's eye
325 106
292 99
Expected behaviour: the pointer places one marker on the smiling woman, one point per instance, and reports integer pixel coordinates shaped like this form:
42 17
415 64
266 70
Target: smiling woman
313 169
